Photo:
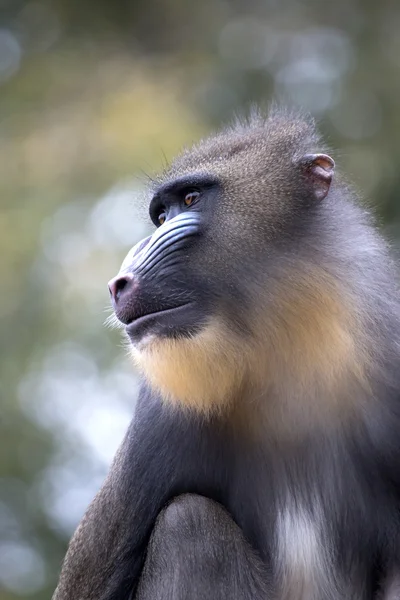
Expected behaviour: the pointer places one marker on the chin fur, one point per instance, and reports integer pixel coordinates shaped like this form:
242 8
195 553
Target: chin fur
200 372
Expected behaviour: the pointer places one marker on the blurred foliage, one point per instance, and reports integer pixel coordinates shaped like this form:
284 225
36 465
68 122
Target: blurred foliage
94 97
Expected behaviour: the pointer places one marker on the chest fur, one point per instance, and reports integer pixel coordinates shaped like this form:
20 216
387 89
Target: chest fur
303 566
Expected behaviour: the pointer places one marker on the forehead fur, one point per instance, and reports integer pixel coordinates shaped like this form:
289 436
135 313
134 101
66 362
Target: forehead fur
250 146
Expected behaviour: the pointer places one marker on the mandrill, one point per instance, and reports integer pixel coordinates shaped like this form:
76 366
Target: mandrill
263 460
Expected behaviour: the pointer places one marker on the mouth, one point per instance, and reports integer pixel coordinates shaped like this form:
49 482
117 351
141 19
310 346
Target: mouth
170 322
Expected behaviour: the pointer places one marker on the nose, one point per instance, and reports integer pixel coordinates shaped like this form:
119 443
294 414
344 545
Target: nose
118 285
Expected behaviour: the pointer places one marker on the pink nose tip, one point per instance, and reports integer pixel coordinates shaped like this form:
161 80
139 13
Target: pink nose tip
117 285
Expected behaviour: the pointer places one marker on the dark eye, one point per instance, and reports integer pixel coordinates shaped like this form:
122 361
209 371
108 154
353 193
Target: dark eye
161 218
191 197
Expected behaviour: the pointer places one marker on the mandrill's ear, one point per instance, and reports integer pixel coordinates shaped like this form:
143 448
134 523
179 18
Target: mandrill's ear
317 170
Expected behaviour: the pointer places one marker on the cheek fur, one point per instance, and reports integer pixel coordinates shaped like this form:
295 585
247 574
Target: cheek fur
306 354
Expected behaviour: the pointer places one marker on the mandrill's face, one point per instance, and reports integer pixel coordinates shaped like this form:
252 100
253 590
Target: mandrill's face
161 291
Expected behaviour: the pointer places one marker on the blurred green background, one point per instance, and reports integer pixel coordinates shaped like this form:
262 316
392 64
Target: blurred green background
94 95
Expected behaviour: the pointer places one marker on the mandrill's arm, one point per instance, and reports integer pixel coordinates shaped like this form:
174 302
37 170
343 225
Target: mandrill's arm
107 552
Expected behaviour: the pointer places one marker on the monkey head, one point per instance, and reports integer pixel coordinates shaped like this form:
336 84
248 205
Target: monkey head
232 286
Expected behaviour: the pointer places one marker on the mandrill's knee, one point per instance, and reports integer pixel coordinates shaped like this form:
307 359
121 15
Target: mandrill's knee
188 518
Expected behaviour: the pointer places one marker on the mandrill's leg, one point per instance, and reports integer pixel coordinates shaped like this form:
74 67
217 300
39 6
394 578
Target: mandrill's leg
197 552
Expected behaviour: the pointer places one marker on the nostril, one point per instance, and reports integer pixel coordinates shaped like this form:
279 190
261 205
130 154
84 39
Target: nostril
118 285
